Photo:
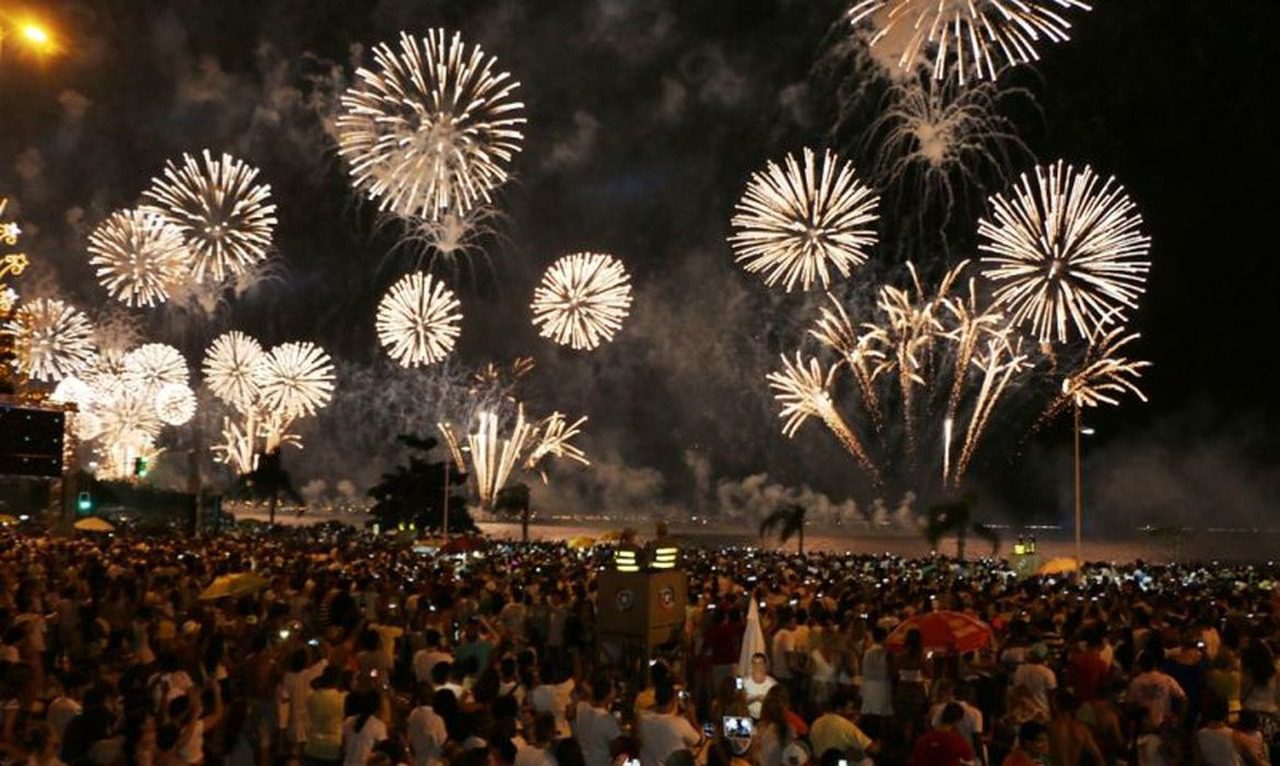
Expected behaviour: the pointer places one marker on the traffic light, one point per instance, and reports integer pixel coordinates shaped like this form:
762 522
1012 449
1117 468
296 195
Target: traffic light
140 467
84 504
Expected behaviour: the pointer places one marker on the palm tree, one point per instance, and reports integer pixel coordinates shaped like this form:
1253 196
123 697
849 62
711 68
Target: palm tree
789 520
268 481
514 500
956 518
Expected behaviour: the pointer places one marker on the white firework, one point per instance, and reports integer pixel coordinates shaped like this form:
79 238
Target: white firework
152 366
226 218
175 404
431 128
52 338
799 220
294 379
229 365
1065 253
970 38
418 320
72 390
582 300
139 256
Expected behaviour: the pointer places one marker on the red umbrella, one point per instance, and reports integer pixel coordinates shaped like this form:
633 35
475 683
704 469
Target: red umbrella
950 632
465 544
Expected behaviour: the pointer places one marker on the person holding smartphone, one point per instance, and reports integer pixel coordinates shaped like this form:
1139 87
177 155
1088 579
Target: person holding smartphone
668 729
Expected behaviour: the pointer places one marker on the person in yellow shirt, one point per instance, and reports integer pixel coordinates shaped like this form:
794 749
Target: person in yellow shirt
837 729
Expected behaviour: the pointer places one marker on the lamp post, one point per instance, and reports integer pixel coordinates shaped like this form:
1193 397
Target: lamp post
1079 431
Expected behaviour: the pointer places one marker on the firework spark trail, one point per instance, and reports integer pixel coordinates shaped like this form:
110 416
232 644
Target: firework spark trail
494 458
934 139
432 129
229 365
1002 360
804 392
971 324
858 350
1103 377
552 439
797 221
451 441
52 338
582 300
295 379
225 217
417 320
1068 251
991 33
139 255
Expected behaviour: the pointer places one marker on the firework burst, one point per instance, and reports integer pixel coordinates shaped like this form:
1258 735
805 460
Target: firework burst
971 39
53 339
294 379
150 367
804 391
799 220
431 128
1104 375
139 257
226 218
229 365
582 300
1066 253
418 320
175 404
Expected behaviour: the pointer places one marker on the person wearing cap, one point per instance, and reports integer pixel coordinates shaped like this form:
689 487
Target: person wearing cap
943 745
1036 679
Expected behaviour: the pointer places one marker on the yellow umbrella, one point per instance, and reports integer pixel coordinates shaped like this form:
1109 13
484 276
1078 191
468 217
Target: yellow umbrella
614 536
581 541
1061 565
94 524
232 585
6 520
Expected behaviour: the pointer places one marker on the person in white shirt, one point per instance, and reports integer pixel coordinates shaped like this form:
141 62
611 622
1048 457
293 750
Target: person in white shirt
295 687
362 731
554 698
877 684
1036 679
538 752
426 658
426 731
666 731
1153 691
1216 743
969 727
594 726
758 684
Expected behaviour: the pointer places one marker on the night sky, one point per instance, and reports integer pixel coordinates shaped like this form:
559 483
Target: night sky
645 119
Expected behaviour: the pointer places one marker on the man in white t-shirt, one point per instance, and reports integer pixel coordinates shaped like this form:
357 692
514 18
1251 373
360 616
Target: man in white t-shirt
666 731
426 658
758 684
969 727
538 752
426 732
554 698
594 726
1036 679
1153 691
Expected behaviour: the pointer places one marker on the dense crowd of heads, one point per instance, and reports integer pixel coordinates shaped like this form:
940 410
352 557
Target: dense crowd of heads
323 645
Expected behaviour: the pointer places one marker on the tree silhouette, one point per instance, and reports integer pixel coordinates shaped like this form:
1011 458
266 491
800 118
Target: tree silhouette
414 493
789 522
268 481
956 518
512 501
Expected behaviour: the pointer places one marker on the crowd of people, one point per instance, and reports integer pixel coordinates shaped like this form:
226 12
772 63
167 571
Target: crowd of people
324 646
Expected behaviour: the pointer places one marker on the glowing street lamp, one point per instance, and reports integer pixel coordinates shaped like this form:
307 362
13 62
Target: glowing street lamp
34 35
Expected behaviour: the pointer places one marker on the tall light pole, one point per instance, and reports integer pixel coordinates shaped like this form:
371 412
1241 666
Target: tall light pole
1077 441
